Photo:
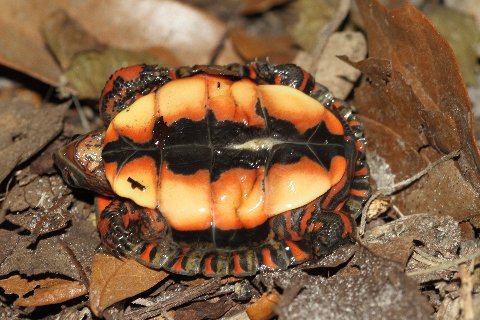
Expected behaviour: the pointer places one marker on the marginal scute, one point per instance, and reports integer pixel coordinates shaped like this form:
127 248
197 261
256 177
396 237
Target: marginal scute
182 98
185 200
137 180
290 186
289 104
136 122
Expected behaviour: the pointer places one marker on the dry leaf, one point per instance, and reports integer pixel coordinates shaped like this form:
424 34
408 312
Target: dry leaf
66 38
278 48
44 292
114 280
69 255
415 99
331 71
135 26
25 131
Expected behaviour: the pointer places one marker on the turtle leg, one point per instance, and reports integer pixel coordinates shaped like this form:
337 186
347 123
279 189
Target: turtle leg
129 230
128 84
310 230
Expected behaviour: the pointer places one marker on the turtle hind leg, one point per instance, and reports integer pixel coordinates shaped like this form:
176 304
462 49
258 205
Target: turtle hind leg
140 233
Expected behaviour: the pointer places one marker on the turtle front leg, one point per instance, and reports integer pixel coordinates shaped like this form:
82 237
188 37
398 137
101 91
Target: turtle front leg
311 231
129 230
128 84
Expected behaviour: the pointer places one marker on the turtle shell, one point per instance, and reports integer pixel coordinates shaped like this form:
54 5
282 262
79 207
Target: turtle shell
221 170
210 152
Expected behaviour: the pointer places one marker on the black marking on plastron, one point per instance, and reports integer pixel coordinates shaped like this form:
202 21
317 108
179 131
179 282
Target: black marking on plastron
187 132
135 184
124 149
187 160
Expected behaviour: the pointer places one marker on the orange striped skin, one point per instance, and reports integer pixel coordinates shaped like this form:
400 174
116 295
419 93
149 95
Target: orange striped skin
237 221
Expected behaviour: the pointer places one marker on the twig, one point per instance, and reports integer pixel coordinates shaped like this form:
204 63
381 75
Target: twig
81 114
445 265
386 191
466 289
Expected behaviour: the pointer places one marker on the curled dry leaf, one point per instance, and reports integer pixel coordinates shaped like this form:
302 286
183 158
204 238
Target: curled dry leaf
43 292
25 131
415 99
114 280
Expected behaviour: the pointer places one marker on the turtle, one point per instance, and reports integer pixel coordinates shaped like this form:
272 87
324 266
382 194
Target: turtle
221 170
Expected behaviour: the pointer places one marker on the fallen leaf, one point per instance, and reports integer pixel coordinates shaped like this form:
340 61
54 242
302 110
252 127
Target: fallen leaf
66 38
44 292
192 34
114 280
25 131
313 15
69 255
395 240
415 98
460 29
278 48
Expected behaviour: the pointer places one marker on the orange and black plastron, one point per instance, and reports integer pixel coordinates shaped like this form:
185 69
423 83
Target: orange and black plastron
238 168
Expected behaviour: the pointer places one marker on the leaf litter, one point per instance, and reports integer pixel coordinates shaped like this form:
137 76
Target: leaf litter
419 254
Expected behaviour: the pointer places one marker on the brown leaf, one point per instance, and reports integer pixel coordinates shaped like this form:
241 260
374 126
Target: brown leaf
25 131
45 291
192 34
415 98
69 255
278 48
65 37
114 280
338 76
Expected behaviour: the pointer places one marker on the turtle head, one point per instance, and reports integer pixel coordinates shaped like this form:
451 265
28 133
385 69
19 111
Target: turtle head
327 231
81 165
